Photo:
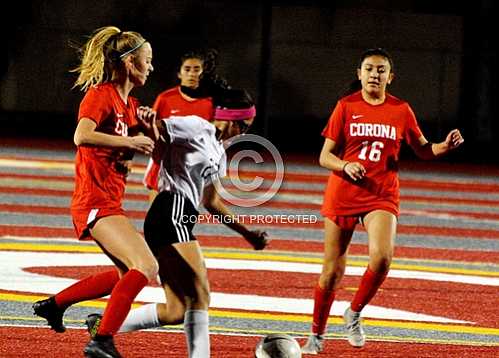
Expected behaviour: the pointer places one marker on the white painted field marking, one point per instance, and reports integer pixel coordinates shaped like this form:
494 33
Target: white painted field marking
14 278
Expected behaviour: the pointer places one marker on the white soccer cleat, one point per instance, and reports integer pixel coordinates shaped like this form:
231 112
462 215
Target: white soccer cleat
314 345
355 333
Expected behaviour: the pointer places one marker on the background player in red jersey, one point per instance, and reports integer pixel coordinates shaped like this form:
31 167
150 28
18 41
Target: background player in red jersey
182 100
199 84
112 64
361 148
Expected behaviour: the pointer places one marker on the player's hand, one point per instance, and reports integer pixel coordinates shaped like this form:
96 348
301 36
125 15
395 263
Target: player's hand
258 239
146 117
142 144
354 170
454 139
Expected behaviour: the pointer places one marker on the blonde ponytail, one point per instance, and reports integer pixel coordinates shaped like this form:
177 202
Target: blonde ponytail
101 55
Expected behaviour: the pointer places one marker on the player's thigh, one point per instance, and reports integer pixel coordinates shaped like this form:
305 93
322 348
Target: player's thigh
176 274
119 238
193 256
336 241
182 269
381 227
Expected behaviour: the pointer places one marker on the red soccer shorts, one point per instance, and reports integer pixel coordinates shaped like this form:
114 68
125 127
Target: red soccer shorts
85 219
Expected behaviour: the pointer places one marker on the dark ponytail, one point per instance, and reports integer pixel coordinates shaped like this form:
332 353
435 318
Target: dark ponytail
212 84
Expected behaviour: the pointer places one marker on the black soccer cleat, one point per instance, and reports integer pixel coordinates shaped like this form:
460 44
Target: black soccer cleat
101 347
48 309
93 322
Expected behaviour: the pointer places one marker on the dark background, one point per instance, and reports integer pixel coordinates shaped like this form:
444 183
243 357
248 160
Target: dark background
294 57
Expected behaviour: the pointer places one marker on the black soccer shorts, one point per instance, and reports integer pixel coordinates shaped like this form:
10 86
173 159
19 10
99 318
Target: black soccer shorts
170 220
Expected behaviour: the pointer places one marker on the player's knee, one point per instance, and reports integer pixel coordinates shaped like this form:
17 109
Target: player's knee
200 297
329 279
149 268
333 272
381 263
203 293
152 269
172 313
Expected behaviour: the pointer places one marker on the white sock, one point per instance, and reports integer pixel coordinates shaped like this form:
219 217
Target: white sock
197 333
145 316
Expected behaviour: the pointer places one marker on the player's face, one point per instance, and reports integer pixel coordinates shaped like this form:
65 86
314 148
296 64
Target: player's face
375 74
190 72
240 127
141 65
229 129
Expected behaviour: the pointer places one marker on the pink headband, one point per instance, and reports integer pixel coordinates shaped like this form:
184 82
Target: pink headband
227 114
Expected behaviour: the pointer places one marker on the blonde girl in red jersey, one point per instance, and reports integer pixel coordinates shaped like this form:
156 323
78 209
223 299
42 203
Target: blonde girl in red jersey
113 63
361 148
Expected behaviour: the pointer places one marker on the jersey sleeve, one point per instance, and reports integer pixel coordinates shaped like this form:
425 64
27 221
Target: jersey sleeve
412 131
181 129
95 105
336 124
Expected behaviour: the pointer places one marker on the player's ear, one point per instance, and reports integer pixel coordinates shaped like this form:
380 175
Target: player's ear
391 76
128 62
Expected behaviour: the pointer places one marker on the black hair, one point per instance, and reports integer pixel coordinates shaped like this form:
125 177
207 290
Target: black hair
356 85
191 54
377 52
233 98
211 84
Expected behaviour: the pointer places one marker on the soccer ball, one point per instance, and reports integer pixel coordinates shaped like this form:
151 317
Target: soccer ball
278 346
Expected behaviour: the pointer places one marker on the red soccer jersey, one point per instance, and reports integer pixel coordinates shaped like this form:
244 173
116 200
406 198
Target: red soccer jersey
98 182
172 103
371 135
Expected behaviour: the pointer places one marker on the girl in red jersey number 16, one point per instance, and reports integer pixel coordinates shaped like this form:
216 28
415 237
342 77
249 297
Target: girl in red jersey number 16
361 148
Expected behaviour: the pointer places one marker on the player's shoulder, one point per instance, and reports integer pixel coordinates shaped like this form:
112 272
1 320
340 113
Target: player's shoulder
101 88
169 93
395 101
352 97
101 93
189 127
189 121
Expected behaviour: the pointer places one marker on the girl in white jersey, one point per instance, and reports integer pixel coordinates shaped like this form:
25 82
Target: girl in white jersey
192 158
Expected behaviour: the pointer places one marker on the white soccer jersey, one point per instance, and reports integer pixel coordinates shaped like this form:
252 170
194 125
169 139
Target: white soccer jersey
193 159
